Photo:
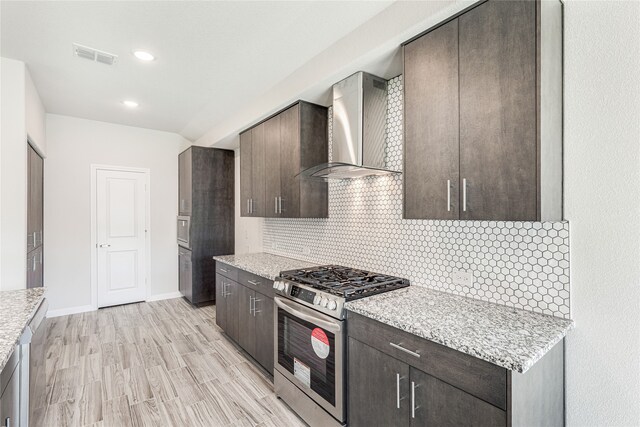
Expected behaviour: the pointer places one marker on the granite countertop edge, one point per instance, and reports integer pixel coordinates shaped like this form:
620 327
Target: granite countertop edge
514 361
15 333
263 264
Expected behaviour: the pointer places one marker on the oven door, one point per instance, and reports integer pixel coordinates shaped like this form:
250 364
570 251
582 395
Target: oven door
309 351
184 231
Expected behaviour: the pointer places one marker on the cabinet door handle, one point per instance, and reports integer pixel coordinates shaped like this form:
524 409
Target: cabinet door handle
448 195
255 300
250 304
464 194
33 268
397 390
275 206
253 283
252 205
413 399
406 350
280 204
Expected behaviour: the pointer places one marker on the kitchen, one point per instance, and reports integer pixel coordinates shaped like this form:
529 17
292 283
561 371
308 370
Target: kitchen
404 220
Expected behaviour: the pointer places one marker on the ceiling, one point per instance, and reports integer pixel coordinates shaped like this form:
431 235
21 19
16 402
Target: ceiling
211 57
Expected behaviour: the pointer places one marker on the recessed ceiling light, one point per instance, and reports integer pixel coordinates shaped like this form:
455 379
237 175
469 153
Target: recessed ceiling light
130 104
143 55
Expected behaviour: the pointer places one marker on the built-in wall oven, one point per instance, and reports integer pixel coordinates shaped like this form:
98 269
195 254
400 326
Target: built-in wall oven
184 231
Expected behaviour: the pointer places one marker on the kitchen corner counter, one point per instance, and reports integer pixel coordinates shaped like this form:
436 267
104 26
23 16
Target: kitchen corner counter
16 310
263 264
512 338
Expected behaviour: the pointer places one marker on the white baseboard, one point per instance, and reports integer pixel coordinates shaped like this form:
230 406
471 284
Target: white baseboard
168 295
70 310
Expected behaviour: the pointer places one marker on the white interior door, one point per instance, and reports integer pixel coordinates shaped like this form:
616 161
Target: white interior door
121 236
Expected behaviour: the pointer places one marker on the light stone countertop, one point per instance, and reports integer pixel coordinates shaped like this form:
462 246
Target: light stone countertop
509 337
16 310
263 264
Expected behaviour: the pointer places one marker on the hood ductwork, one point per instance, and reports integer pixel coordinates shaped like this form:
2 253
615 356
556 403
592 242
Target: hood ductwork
358 137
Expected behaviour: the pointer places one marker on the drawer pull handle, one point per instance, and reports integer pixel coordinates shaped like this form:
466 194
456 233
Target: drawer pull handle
223 270
399 347
253 283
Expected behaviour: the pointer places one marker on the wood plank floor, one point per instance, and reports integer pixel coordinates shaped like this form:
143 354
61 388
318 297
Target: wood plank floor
162 363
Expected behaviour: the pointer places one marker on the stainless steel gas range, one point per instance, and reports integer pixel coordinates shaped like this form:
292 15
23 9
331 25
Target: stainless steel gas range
310 337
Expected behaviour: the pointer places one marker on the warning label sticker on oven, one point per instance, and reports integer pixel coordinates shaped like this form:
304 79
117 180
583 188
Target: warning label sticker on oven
320 343
302 372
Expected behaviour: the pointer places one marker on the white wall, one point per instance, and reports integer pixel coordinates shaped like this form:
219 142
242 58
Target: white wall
13 177
22 114
602 204
248 230
73 145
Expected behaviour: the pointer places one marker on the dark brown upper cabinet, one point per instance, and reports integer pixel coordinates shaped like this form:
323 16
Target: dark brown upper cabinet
273 152
483 115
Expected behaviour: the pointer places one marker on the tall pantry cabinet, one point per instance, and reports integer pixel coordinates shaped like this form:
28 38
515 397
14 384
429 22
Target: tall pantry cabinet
206 209
35 215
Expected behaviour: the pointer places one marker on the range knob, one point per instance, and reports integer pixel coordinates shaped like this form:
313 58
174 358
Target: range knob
332 305
316 300
324 302
278 285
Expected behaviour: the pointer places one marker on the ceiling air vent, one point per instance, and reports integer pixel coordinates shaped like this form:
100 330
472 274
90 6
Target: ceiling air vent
94 54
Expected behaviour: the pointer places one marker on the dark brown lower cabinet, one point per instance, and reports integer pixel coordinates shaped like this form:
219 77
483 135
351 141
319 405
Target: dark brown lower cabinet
246 320
245 313
437 403
264 331
389 387
378 388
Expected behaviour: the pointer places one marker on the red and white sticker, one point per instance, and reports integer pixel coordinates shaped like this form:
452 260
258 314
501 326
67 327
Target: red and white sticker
320 343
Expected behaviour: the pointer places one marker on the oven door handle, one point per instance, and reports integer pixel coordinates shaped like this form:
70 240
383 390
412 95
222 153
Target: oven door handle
329 326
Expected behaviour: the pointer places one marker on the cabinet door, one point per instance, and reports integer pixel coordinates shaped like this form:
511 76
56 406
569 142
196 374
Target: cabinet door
498 147
272 166
258 171
34 268
378 388
221 301
436 403
185 182
431 148
265 335
10 401
185 276
290 162
232 315
246 320
34 199
37 202
245 173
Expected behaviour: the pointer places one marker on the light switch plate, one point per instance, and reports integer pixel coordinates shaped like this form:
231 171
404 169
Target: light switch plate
463 278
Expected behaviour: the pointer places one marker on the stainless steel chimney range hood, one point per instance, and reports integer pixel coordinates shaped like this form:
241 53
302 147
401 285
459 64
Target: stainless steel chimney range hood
358 136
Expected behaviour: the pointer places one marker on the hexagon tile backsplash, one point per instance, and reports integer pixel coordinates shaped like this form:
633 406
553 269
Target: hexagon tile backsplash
519 264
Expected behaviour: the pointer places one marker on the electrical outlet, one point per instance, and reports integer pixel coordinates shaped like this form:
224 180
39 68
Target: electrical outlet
274 245
463 278
306 251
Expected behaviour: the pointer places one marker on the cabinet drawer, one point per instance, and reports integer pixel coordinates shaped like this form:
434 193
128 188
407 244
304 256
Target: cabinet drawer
477 377
227 271
255 282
